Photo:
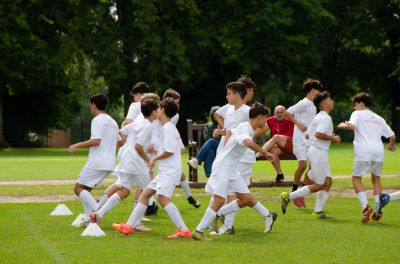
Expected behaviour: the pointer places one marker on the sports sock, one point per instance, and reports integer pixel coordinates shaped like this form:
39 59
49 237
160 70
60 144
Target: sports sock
362 197
395 196
89 200
207 219
135 203
211 200
186 188
175 216
137 214
303 191
321 200
294 187
110 204
260 209
229 220
103 199
231 207
87 210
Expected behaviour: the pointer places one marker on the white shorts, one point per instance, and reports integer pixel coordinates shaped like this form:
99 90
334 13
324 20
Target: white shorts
300 151
222 185
360 168
245 170
127 180
163 186
92 178
319 164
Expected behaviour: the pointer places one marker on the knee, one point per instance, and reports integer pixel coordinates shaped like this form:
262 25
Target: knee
163 200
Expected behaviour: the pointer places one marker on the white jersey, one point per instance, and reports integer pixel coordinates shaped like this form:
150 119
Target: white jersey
304 112
369 128
102 157
170 141
134 111
321 123
233 117
139 132
230 154
156 131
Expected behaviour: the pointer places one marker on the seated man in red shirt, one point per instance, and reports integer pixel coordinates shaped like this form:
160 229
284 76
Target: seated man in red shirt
281 142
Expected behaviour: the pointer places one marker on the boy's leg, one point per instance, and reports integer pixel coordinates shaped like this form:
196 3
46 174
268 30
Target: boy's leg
112 202
322 197
174 215
140 209
188 193
88 202
211 213
107 194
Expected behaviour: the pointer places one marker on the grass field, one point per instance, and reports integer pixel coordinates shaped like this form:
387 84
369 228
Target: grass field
28 234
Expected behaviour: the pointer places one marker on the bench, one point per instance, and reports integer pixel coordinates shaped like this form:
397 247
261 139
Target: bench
195 141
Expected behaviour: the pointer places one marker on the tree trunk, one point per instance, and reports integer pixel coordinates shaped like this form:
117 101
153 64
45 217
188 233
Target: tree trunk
3 142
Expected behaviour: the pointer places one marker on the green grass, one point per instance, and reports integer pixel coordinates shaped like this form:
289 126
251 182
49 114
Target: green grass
45 164
30 235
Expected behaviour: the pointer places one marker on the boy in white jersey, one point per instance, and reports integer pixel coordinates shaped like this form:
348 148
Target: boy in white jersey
301 114
134 163
368 129
136 92
230 119
320 134
102 144
170 172
226 179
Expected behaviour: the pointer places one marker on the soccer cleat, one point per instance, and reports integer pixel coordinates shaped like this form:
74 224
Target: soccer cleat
193 202
366 214
197 235
123 228
384 199
377 216
94 218
194 163
284 201
214 225
181 233
223 230
320 215
152 209
269 221
84 224
142 228
279 177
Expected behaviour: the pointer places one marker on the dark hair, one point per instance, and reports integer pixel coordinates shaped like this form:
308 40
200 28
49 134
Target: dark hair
171 93
258 109
148 106
247 81
140 87
170 107
363 97
100 100
237 87
320 97
310 84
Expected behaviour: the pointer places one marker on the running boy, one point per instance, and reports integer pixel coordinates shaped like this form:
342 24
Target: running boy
301 114
226 179
137 92
134 163
320 134
102 144
170 172
368 129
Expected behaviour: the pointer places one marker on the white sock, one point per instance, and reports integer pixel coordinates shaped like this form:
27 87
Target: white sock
175 216
229 220
135 203
231 207
186 188
259 208
89 200
87 210
137 215
362 196
211 200
376 198
110 204
303 191
321 200
152 199
103 199
207 219
395 196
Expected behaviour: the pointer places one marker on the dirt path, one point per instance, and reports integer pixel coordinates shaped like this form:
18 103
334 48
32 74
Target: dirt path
45 182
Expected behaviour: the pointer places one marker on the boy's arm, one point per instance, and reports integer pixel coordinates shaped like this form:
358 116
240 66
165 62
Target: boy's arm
294 121
392 143
333 138
84 144
142 154
162 156
346 126
253 146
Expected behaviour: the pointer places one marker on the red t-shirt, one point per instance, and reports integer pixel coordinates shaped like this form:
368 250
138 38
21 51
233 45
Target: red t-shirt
284 127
